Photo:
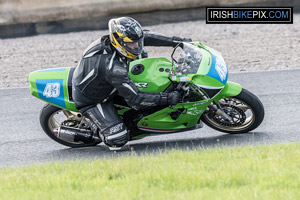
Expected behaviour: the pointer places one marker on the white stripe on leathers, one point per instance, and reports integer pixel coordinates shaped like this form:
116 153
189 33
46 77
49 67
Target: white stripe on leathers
117 135
100 109
87 76
129 87
91 54
111 61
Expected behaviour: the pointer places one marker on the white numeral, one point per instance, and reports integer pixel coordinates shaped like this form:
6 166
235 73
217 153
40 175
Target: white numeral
52 90
221 69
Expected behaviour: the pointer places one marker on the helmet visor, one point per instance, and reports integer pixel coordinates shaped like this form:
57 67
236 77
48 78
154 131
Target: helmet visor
134 47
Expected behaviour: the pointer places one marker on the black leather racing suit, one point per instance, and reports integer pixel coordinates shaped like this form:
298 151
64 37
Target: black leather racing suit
103 72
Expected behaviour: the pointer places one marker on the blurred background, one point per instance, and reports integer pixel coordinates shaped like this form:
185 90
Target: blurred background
31 17
41 34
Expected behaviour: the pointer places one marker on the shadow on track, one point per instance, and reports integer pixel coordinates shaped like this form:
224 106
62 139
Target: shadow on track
137 149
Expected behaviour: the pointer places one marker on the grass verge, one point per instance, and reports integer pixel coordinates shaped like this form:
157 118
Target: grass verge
257 172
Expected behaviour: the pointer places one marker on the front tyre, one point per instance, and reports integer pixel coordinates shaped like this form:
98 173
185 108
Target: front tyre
52 117
245 110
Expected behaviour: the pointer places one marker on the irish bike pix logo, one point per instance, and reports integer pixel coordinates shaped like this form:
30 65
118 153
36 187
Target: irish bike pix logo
244 15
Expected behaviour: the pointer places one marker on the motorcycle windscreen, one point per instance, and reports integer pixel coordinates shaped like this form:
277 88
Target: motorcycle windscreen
187 59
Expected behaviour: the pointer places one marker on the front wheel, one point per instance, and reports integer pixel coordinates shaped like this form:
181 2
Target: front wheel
245 110
52 117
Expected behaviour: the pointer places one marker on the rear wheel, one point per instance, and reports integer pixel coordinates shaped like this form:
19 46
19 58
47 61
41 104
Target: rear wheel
52 117
245 110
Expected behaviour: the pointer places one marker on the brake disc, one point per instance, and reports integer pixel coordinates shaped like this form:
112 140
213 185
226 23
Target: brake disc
238 116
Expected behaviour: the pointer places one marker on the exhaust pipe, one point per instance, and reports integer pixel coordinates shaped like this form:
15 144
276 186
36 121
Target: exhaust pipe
74 134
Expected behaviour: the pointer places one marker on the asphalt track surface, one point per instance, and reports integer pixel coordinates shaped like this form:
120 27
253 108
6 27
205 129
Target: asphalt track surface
22 141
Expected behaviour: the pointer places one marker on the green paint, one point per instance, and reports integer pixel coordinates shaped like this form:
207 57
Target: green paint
154 74
156 77
230 89
45 74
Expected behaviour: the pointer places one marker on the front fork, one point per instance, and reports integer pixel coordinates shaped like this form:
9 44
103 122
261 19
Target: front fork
230 89
217 110
214 108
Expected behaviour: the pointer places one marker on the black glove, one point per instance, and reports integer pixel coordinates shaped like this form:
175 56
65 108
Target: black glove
173 98
144 53
187 39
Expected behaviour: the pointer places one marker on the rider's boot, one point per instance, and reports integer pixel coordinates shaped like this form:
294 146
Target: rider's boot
115 136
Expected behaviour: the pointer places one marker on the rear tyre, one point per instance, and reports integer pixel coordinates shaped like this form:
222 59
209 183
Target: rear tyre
52 117
245 109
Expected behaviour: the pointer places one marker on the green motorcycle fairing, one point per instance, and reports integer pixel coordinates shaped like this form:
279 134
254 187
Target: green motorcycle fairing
53 86
211 74
151 75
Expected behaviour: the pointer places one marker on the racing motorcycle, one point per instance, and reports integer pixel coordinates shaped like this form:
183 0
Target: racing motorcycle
199 73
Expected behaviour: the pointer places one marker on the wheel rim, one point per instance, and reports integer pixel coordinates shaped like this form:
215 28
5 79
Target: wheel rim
242 114
66 118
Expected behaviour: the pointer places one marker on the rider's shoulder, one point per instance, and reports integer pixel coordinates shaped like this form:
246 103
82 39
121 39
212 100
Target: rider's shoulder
97 46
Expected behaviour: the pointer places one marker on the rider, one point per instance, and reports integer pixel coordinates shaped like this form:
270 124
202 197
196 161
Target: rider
103 71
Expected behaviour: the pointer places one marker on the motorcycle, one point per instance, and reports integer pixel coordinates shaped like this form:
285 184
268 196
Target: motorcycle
199 73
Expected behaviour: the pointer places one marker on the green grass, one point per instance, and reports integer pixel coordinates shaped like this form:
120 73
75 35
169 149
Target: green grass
258 172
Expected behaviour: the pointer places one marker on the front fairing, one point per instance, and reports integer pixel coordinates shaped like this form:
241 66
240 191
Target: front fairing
210 71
